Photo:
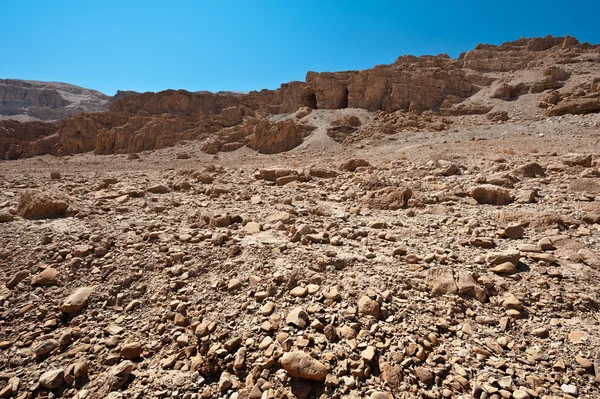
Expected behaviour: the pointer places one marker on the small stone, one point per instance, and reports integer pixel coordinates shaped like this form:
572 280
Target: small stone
577 337
424 375
489 194
518 394
569 389
234 284
368 354
81 368
511 302
299 292
540 332
548 258
224 381
441 281
368 306
45 347
546 244
583 362
267 308
6 392
392 375
158 189
77 300
252 228
297 317
589 258
332 293
497 258
17 278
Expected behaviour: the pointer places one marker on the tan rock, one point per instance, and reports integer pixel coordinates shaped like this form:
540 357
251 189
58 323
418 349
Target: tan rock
504 268
119 374
585 185
252 228
514 231
301 365
489 194
131 350
16 278
46 277
589 257
272 138
441 281
297 317
368 306
41 205
77 300
52 379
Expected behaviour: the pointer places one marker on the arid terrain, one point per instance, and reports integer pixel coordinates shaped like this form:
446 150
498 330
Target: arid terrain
426 229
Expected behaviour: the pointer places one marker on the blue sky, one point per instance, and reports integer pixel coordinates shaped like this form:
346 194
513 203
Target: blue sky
254 44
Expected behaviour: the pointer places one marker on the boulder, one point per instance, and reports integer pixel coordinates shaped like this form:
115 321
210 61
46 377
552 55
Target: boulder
41 205
273 138
231 116
119 374
577 160
301 365
389 198
52 379
585 185
440 280
353 164
489 194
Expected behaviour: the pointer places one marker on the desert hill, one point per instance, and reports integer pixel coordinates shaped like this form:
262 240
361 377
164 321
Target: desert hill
27 100
525 79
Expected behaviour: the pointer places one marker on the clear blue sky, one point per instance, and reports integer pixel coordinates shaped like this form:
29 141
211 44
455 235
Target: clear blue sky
254 44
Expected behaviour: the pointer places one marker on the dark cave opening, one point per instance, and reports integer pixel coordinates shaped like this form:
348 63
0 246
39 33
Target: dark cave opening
310 100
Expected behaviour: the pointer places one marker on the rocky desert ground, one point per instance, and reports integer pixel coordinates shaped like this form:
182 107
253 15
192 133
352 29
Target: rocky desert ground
428 229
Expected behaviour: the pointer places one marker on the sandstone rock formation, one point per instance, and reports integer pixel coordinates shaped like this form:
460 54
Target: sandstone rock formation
30 100
414 93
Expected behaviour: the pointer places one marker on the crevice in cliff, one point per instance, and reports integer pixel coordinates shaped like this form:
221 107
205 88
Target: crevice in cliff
344 102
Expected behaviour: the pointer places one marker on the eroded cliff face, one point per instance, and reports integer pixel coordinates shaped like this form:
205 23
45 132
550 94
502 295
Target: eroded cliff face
47 101
227 121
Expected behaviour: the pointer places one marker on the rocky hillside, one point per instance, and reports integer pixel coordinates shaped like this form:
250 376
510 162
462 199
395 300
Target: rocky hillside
526 79
428 229
27 100
456 265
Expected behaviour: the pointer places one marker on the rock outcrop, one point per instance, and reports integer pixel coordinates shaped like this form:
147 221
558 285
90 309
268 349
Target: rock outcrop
30 100
411 93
